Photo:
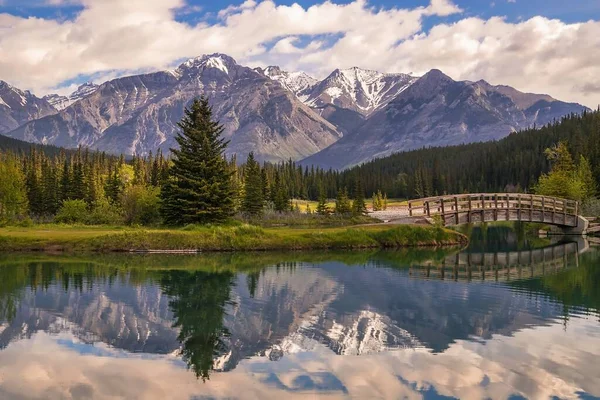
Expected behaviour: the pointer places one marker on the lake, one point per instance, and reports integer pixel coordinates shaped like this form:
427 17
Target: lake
511 316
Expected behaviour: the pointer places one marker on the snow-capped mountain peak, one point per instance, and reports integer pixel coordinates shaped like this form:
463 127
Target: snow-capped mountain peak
61 102
10 96
19 106
299 83
217 61
361 90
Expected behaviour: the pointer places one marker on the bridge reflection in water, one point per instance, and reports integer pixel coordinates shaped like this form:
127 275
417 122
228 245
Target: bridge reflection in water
505 265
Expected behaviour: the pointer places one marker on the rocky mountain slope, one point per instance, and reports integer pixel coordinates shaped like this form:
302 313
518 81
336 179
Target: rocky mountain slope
438 111
138 114
18 107
299 83
351 116
346 97
356 89
61 102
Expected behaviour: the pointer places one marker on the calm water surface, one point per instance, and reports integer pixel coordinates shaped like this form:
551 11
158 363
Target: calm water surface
509 317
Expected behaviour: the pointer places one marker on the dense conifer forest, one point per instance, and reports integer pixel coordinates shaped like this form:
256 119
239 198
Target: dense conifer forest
102 186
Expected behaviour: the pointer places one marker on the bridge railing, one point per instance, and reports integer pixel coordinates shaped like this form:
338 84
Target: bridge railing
547 209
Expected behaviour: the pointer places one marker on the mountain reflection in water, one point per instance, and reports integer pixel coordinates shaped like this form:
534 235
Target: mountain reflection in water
352 324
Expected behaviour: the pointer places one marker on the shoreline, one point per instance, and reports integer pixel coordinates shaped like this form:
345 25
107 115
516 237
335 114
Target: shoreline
215 239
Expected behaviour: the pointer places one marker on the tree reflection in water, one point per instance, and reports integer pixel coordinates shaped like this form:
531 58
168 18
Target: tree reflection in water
199 301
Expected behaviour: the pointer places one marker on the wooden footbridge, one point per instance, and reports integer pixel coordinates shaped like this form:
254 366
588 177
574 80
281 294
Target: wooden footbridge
490 207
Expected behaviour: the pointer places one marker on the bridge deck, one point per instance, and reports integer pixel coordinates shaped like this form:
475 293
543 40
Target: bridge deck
489 207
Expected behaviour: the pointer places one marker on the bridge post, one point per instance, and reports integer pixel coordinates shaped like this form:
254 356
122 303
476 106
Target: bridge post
543 209
427 208
553 210
410 209
519 208
507 207
531 208
443 210
456 209
482 208
495 207
469 212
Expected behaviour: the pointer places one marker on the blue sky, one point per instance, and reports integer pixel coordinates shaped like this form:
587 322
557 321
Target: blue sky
543 46
574 11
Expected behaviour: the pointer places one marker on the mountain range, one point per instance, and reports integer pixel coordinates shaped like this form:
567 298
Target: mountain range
351 116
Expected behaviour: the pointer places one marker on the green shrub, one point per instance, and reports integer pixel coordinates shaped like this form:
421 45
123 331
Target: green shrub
72 212
141 205
105 213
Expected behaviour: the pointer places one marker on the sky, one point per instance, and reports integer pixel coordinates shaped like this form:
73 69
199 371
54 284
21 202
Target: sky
541 46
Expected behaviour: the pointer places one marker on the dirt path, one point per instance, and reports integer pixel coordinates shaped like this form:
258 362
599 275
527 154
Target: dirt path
398 216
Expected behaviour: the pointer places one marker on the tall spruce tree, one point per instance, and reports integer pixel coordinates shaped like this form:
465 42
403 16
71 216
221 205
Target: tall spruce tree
253 201
198 189
358 205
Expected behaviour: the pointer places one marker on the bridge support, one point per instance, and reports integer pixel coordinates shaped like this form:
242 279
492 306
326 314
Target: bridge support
581 228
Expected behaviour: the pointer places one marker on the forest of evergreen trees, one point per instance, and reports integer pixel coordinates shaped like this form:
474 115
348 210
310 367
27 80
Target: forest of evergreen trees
109 189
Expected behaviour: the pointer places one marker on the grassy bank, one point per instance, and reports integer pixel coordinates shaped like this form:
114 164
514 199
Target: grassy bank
221 238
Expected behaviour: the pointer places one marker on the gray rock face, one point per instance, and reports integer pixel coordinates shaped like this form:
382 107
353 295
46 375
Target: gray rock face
298 83
138 114
360 90
61 102
280 115
18 107
346 97
438 111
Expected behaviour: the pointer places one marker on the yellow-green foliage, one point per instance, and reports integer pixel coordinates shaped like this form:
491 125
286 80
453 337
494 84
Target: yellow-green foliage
566 180
13 197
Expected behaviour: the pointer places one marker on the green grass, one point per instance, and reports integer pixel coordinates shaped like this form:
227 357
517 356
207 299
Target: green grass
221 238
302 220
331 203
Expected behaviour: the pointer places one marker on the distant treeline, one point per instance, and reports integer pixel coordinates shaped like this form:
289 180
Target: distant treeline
512 164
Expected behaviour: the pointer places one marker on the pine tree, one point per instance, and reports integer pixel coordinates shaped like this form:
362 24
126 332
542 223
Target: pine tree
279 193
199 186
65 182
253 201
342 202
322 208
586 177
358 205
78 185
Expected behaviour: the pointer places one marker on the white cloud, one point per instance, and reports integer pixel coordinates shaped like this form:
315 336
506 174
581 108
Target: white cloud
539 363
113 37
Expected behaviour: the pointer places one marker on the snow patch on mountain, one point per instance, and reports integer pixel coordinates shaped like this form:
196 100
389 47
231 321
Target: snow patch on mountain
61 102
2 103
218 61
366 332
354 88
298 83
360 89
